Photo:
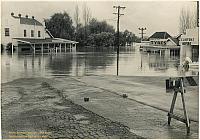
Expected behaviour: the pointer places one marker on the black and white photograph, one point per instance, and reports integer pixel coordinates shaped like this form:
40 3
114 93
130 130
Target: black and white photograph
91 69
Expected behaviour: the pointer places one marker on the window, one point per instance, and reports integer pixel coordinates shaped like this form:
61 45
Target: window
39 34
7 33
24 33
32 33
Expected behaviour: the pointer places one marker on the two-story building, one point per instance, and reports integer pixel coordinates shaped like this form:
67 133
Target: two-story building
28 34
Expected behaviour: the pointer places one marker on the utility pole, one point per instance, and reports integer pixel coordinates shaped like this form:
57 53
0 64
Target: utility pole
118 16
142 32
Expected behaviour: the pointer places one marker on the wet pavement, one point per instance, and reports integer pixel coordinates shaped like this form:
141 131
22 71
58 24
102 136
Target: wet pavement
57 106
43 111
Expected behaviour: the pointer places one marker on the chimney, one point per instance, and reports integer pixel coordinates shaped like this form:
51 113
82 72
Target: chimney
33 17
26 16
12 14
19 15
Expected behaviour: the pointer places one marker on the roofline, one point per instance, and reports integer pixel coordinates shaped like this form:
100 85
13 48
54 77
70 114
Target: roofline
22 41
61 39
16 17
160 32
172 41
66 40
49 33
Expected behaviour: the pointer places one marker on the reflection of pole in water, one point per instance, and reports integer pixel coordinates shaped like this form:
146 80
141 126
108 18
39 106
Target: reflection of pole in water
25 62
33 58
85 65
43 65
148 59
39 62
141 62
76 65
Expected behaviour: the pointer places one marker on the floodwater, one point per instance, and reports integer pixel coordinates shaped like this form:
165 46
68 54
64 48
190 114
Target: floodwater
132 62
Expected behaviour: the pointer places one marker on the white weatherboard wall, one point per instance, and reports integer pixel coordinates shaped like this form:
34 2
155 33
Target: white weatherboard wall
16 30
13 25
28 29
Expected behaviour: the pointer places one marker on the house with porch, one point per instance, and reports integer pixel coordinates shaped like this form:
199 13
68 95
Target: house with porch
163 43
28 34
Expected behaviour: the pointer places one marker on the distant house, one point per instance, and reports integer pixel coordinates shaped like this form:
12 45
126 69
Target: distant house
27 33
163 39
162 42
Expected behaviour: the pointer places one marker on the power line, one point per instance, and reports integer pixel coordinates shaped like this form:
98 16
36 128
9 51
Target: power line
118 8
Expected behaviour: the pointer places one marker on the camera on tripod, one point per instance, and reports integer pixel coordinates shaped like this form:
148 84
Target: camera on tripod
174 83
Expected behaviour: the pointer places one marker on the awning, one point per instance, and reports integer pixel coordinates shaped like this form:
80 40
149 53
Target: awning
45 41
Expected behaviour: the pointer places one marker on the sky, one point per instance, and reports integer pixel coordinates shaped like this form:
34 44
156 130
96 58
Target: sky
154 15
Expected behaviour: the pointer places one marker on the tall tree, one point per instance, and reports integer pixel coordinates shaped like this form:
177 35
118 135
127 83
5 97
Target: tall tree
187 20
86 14
60 25
86 18
76 17
77 21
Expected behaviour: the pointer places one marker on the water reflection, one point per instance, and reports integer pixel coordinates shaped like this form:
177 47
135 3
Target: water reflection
87 61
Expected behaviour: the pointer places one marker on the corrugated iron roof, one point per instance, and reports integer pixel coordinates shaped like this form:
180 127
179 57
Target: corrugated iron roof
160 35
45 40
28 21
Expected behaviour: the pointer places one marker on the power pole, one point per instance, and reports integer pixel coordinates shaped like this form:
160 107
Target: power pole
118 15
142 32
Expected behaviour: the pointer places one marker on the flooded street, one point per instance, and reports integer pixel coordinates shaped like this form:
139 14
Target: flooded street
132 62
100 70
49 90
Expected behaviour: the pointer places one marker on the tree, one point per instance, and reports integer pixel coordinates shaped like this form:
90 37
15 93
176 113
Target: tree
126 37
76 18
103 39
86 14
86 18
80 35
96 27
60 25
187 20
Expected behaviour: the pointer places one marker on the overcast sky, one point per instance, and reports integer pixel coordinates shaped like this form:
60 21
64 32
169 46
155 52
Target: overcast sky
154 15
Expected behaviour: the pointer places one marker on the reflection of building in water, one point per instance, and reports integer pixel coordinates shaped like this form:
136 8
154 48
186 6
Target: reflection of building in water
190 45
158 63
162 43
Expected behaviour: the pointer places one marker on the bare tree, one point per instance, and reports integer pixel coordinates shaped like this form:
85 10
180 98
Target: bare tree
187 20
86 14
76 17
86 18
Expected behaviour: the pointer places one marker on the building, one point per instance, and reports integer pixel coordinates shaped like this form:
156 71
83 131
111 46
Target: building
28 34
162 42
190 45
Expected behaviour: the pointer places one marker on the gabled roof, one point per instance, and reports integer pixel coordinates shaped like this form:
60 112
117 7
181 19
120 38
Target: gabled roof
175 40
28 21
160 35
